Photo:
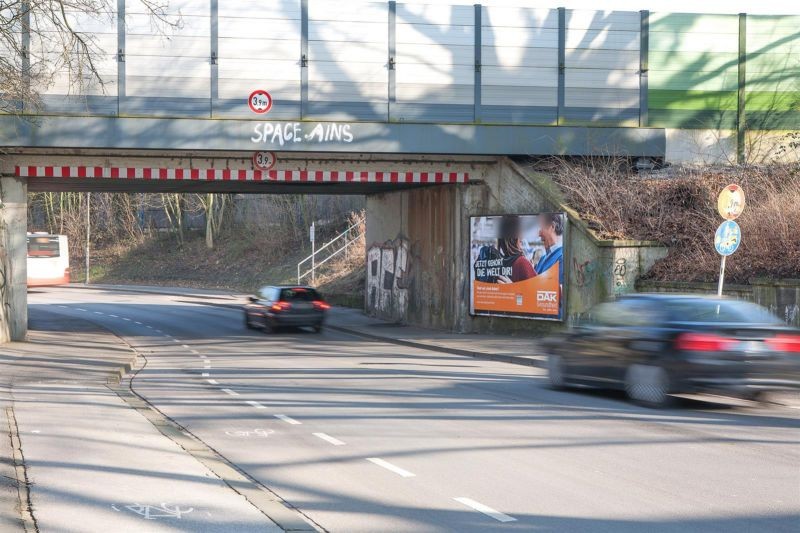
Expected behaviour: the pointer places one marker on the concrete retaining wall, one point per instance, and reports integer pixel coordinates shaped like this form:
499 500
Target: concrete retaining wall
782 296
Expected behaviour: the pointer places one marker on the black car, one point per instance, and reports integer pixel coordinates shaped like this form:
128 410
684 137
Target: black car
274 307
655 345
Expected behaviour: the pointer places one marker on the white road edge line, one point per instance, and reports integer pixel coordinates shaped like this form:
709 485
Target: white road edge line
328 438
288 420
256 404
231 392
389 466
488 511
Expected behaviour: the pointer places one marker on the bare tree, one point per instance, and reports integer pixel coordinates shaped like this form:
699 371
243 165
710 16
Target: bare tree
43 39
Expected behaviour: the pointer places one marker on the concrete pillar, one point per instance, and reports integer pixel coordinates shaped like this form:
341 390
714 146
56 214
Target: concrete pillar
13 259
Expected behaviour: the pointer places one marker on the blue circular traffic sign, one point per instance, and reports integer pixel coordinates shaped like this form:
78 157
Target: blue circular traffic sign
728 237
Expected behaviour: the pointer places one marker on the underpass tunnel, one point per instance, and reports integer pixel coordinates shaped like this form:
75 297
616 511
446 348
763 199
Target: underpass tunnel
383 179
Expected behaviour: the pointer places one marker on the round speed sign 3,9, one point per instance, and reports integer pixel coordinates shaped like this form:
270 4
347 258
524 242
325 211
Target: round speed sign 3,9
264 160
730 203
260 101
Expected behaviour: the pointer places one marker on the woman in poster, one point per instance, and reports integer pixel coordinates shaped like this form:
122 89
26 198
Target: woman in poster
510 245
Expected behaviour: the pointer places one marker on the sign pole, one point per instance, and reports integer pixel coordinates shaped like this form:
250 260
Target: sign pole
313 257
721 276
88 233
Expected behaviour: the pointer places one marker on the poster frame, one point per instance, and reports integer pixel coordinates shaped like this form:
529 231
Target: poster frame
510 314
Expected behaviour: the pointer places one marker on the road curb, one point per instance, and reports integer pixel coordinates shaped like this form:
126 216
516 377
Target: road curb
524 361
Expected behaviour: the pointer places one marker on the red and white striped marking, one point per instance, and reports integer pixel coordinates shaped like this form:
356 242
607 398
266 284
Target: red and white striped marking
216 174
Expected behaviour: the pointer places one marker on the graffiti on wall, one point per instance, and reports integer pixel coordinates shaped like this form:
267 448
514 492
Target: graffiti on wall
388 278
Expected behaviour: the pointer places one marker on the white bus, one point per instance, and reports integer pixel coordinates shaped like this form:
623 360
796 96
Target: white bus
48 260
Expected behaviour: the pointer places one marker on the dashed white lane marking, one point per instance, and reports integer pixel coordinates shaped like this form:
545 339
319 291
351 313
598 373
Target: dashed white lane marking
231 392
79 309
213 381
126 319
205 374
174 339
389 466
328 438
149 327
256 404
98 313
159 331
185 346
207 361
138 323
195 352
63 307
488 511
288 420
113 316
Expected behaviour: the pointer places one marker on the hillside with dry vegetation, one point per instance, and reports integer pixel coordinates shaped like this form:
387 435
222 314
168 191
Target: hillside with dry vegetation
677 207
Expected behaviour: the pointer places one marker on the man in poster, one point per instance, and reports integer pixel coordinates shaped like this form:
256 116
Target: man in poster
551 230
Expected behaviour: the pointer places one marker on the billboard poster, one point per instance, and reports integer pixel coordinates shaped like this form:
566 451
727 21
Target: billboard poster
517 265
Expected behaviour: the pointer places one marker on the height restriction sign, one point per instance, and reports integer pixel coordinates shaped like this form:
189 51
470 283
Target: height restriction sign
260 101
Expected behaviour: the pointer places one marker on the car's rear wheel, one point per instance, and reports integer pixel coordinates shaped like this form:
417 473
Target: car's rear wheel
648 385
247 323
317 328
555 371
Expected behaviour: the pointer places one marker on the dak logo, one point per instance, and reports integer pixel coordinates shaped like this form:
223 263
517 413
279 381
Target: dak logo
546 296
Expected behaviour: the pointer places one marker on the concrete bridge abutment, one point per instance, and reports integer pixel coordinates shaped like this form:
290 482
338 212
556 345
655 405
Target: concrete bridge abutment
13 259
419 251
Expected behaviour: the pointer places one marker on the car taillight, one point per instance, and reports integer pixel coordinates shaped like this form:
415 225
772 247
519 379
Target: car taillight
277 307
704 342
322 306
785 343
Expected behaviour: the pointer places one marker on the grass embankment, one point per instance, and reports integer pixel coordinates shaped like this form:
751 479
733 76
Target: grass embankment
237 264
678 207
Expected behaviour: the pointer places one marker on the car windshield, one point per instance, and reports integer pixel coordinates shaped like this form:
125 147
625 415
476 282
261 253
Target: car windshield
720 311
299 294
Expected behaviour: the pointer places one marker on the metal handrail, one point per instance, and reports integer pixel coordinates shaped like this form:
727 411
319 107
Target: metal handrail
334 254
344 235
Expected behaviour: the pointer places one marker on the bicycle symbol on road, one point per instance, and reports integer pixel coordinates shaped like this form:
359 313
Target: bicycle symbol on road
262 433
154 512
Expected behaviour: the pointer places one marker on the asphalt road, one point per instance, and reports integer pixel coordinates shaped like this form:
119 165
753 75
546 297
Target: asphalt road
365 436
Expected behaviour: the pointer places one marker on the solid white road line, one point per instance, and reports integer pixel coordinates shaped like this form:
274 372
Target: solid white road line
231 392
488 511
389 466
328 438
288 420
256 404
212 381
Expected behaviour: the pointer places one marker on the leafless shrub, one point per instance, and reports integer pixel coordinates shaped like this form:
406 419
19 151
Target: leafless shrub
678 207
